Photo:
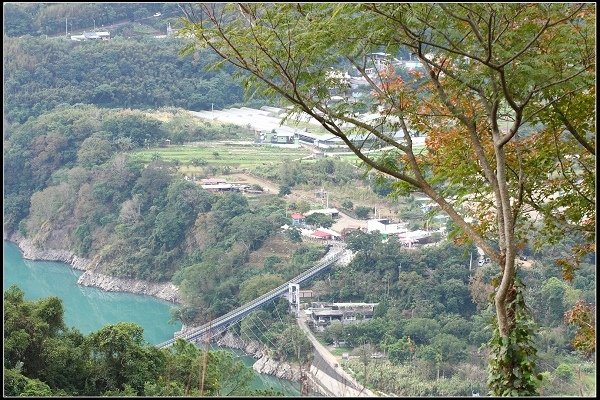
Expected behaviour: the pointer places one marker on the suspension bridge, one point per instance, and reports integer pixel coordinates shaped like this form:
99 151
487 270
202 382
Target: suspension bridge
211 329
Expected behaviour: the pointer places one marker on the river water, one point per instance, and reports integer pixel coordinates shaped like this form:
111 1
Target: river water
89 309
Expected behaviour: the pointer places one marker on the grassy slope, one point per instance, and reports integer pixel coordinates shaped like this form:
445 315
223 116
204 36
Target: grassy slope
235 155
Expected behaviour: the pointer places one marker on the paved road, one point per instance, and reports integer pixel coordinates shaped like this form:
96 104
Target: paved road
327 371
346 221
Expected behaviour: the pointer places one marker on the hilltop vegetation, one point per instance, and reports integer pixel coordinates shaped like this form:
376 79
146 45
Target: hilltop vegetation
83 136
40 74
49 19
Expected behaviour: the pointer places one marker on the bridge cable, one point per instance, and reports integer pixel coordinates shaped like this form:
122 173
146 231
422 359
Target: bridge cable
239 356
342 382
261 333
303 376
283 323
250 340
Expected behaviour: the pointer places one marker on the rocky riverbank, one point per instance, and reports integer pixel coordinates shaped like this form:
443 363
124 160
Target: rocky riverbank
163 291
264 363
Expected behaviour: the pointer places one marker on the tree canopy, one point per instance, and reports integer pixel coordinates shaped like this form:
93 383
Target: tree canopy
45 358
504 95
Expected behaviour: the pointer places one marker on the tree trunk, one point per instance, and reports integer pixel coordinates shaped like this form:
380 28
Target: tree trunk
503 297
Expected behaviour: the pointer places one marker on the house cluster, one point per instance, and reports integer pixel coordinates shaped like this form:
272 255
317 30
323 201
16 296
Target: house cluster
215 185
320 233
384 226
323 314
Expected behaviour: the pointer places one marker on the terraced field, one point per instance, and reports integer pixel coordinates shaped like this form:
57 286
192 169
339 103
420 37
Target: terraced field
220 154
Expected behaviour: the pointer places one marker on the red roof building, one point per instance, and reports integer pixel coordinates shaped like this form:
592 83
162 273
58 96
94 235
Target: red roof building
297 216
321 235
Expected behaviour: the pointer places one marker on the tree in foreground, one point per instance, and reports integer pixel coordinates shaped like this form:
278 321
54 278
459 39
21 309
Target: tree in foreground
44 358
504 94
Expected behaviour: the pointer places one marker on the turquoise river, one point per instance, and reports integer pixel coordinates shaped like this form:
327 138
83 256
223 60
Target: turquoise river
89 309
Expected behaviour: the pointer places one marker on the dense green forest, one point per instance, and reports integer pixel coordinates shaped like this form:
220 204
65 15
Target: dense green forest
40 74
71 185
434 314
43 357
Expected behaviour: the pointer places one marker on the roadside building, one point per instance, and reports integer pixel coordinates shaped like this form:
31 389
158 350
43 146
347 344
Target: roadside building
386 227
326 234
216 185
279 135
91 36
410 239
220 187
318 234
322 314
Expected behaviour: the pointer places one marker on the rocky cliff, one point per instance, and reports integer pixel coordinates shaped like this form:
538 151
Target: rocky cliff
31 252
164 291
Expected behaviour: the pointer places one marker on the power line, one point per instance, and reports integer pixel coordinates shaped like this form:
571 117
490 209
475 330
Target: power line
303 377
242 332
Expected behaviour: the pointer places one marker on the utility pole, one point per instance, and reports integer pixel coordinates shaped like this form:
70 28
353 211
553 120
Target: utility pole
470 263
66 31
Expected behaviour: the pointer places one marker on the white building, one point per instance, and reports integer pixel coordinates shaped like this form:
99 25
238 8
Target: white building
332 212
411 238
91 36
385 226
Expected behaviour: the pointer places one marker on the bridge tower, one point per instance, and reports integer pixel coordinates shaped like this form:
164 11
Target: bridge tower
294 297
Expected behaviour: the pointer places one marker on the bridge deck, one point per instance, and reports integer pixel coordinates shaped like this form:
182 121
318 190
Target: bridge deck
214 327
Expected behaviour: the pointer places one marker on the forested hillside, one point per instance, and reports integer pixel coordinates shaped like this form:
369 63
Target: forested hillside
43 357
40 74
434 313
71 185
100 150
